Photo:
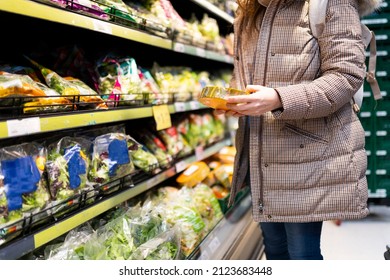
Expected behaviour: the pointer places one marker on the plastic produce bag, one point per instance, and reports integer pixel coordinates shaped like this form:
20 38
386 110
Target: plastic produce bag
141 157
119 81
178 209
67 167
23 188
73 90
73 246
111 158
207 205
164 246
156 147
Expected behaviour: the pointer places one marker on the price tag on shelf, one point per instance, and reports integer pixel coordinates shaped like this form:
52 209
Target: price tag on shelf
180 106
214 244
178 47
228 59
194 105
199 153
23 126
102 26
200 52
180 166
162 117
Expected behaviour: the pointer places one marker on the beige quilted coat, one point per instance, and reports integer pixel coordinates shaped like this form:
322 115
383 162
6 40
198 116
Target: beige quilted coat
307 161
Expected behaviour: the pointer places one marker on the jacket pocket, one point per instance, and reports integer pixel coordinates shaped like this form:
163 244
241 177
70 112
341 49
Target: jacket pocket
305 145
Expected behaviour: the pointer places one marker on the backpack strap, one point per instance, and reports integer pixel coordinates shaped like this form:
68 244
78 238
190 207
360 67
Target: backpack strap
370 76
317 16
317 13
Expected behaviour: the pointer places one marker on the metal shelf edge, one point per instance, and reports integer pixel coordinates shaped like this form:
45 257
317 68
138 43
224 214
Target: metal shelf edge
214 9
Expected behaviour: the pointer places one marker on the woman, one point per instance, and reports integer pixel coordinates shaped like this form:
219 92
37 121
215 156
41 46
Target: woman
300 145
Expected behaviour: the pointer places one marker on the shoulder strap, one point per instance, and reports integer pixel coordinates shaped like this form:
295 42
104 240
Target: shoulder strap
317 15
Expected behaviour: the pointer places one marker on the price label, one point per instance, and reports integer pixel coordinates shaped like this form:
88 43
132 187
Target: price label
178 47
23 126
228 59
180 166
200 52
162 117
102 26
194 105
199 153
180 106
214 244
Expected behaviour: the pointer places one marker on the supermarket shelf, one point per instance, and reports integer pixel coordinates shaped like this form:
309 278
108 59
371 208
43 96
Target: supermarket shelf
31 125
54 14
18 248
212 8
196 51
46 12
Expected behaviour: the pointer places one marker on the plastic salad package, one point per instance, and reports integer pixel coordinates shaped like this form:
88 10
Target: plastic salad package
71 88
110 242
150 87
111 158
23 86
73 246
156 147
120 238
207 205
171 139
119 81
23 188
164 246
178 208
119 11
176 82
195 130
141 156
150 22
67 169
89 8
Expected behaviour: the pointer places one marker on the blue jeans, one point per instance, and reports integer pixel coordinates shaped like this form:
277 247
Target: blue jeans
292 241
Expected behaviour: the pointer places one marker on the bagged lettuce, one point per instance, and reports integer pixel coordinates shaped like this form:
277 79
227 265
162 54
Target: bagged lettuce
23 187
67 167
111 158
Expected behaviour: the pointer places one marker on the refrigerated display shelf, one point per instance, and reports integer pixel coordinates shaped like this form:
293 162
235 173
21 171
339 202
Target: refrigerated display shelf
19 247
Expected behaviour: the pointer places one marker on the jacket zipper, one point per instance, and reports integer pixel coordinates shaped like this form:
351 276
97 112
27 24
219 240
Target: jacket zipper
261 199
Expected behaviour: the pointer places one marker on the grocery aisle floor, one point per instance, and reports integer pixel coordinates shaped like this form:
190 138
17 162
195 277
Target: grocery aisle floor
364 239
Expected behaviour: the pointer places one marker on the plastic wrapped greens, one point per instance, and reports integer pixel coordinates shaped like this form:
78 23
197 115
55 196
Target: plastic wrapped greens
73 246
141 157
23 188
178 209
207 205
67 167
119 81
111 158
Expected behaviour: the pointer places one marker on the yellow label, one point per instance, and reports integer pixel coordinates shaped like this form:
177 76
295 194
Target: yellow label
162 117
40 162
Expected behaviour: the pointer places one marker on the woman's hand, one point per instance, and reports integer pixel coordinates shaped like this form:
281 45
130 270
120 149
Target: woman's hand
261 100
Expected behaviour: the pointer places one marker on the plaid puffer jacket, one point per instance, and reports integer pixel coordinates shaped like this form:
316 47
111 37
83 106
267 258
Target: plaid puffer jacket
307 161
